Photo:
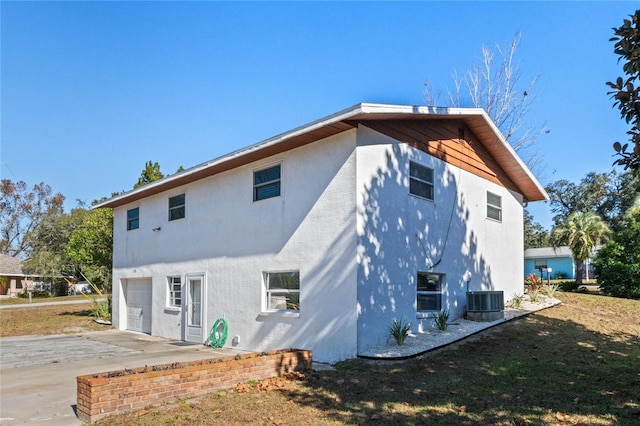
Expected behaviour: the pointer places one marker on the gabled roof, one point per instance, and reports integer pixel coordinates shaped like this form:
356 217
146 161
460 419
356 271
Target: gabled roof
475 118
10 266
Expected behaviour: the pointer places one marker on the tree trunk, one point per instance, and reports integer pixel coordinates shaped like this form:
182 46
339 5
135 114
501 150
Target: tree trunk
579 269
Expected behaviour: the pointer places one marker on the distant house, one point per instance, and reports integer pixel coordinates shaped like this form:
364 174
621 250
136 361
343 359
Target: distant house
12 278
559 259
320 237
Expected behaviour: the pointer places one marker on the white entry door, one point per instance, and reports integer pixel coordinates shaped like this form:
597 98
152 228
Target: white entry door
138 300
194 309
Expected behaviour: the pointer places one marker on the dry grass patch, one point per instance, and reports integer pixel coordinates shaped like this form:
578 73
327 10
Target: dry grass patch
43 320
575 364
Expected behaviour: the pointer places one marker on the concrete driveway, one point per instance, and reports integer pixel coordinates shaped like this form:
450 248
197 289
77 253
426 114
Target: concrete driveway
38 373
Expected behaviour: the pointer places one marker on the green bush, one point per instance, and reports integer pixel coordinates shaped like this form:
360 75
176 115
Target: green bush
619 279
561 275
618 262
568 286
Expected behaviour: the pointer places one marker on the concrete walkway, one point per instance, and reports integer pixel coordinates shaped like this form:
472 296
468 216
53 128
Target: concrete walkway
38 373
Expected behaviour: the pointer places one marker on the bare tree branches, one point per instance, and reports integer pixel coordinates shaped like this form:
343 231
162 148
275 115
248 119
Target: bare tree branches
494 83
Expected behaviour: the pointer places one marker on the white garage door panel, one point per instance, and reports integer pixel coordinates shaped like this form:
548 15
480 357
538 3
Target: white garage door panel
139 305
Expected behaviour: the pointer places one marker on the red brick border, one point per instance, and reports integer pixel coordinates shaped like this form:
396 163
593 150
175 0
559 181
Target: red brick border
103 394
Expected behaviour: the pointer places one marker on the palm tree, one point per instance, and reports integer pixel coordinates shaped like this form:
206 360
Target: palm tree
581 232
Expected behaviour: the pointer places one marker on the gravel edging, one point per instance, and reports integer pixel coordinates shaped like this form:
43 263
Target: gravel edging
421 343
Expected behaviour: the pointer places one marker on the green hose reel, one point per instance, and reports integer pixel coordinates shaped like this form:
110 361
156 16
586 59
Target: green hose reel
219 333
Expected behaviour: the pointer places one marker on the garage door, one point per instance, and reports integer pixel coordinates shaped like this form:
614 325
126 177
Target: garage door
139 305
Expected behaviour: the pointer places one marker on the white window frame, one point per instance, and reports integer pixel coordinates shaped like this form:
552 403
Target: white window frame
493 208
130 221
182 206
269 293
278 181
422 181
172 282
439 292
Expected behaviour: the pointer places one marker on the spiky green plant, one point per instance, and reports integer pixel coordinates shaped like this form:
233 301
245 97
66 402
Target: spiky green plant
399 330
441 319
516 300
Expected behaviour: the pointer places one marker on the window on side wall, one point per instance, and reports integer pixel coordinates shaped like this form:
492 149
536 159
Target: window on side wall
177 207
175 292
494 206
420 181
266 183
282 291
429 292
133 219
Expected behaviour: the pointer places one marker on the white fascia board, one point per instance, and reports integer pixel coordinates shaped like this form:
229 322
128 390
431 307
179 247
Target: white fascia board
513 153
339 116
345 114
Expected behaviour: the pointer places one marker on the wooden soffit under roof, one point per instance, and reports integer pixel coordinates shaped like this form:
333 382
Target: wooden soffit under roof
515 175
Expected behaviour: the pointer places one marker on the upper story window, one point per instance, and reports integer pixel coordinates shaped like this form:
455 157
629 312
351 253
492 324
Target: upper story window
429 292
133 219
176 207
282 291
494 207
266 183
420 181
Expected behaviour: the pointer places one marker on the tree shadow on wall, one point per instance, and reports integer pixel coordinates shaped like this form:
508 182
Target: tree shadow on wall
400 235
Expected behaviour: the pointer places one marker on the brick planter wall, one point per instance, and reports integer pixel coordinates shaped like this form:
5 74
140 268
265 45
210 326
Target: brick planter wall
103 394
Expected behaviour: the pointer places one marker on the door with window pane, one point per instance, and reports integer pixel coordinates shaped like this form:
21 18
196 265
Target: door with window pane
194 309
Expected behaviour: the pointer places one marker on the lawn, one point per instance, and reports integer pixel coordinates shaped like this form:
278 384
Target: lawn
60 319
25 300
578 363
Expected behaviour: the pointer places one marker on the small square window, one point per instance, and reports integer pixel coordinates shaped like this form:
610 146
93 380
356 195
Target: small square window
133 219
177 207
494 207
175 292
420 181
266 183
429 292
282 291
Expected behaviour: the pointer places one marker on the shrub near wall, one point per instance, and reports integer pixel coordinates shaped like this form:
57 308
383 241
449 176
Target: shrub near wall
103 394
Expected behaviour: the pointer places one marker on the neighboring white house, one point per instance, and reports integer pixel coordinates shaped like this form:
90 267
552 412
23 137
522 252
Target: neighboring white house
320 237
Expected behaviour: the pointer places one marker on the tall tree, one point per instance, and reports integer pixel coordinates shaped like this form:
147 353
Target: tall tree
494 82
534 234
625 93
582 232
150 173
90 246
567 197
21 211
609 195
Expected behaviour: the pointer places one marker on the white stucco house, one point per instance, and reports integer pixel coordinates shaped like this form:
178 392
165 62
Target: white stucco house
320 237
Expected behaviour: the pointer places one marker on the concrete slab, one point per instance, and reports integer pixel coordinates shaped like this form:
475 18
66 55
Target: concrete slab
38 373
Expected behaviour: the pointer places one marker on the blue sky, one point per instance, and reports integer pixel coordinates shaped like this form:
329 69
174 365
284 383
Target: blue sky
92 90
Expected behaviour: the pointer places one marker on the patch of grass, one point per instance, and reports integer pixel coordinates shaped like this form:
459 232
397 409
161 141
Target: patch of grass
56 319
577 361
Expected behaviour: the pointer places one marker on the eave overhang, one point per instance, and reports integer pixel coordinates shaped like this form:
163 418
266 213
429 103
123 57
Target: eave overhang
475 118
